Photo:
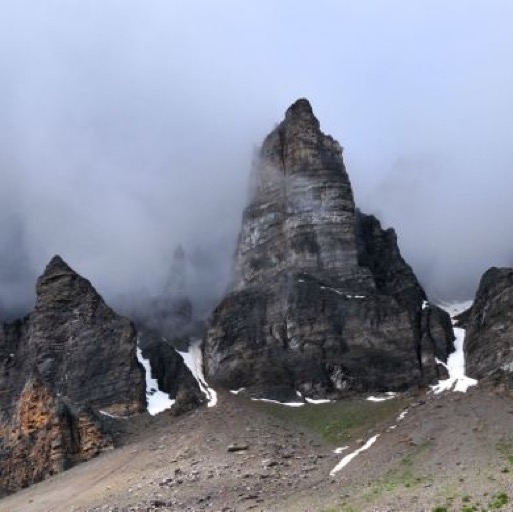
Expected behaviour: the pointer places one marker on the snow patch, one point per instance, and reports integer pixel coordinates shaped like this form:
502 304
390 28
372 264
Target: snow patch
318 401
402 415
455 308
109 415
344 294
389 396
236 391
340 449
425 304
193 358
455 365
348 458
507 367
288 404
158 401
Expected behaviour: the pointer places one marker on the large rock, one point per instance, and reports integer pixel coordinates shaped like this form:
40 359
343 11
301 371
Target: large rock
321 300
70 356
489 339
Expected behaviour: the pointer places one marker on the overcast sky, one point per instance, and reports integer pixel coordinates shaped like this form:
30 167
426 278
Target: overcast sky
127 127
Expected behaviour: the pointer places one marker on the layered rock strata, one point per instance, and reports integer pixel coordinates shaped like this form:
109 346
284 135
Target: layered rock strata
489 323
321 301
69 359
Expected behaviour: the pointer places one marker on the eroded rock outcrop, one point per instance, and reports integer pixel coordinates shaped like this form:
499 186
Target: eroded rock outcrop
321 301
69 359
47 435
489 323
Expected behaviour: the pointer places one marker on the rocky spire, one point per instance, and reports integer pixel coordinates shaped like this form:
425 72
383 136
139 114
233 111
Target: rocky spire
302 213
177 280
322 301
72 351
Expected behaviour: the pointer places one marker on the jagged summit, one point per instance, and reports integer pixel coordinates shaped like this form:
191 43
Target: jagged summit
56 265
72 350
60 282
302 213
301 110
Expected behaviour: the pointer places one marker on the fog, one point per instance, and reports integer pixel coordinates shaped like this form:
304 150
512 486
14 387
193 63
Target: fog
128 128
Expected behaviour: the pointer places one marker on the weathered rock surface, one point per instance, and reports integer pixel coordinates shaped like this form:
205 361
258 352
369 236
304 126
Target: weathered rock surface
70 356
321 301
47 436
489 339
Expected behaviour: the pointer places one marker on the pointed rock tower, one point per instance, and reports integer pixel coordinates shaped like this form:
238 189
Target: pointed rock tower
322 301
71 358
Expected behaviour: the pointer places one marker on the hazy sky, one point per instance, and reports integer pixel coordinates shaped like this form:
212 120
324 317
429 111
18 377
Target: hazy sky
127 127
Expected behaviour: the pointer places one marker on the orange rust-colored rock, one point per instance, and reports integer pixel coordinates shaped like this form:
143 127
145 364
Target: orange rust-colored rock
47 436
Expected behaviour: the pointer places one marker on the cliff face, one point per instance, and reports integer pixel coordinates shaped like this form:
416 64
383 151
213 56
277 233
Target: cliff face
322 301
489 323
70 357
46 436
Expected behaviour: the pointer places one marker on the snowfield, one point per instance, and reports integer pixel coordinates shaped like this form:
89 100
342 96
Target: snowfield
193 358
158 401
455 365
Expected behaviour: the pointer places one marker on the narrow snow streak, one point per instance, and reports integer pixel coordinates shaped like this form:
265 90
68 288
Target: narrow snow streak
109 415
340 449
288 404
402 415
236 391
348 458
389 396
193 358
158 401
455 365
318 401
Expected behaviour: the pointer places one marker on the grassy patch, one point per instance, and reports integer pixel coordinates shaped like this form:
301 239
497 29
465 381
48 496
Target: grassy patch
498 501
337 422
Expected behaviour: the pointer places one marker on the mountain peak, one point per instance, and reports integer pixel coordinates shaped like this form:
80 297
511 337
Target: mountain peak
301 110
57 265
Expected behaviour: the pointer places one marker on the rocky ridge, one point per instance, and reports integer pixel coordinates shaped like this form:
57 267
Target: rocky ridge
321 301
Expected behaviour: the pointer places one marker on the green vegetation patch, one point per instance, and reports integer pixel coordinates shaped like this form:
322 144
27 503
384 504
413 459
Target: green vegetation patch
499 500
337 422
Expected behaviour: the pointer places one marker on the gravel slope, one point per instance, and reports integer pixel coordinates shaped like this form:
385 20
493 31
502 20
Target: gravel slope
450 450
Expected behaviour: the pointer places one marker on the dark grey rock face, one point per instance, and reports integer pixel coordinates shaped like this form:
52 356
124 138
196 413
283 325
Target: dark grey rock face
489 339
322 301
79 351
